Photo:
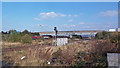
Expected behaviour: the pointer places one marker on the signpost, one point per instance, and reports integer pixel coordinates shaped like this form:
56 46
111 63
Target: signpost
55 29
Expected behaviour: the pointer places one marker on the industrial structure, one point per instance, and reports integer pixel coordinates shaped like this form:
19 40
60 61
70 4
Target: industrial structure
112 30
118 29
62 40
61 37
70 33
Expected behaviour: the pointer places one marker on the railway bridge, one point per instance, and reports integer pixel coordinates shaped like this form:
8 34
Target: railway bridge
69 33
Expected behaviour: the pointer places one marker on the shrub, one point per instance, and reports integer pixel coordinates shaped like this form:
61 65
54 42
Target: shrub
119 42
113 37
14 37
95 59
102 35
26 32
41 39
26 39
101 46
5 37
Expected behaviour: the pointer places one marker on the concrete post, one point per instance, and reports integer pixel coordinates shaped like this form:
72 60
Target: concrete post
113 60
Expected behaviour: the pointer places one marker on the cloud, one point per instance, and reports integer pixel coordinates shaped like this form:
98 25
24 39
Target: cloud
81 23
63 15
69 15
70 20
75 15
49 15
37 19
72 25
109 13
54 14
64 25
68 26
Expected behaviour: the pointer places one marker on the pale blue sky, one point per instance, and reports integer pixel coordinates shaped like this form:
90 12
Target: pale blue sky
42 16
60 0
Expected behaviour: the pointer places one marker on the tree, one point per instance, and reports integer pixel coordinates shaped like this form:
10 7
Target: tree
99 35
25 32
11 31
14 37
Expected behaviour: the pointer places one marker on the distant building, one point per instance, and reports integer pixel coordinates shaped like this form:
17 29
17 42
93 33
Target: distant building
86 37
46 36
36 37
118 30
62 40
112 30
70 33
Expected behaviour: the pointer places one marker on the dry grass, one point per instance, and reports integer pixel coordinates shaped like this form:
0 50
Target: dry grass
18 44
30 60
39 55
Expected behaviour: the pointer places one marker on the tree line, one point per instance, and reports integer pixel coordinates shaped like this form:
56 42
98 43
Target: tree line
15 36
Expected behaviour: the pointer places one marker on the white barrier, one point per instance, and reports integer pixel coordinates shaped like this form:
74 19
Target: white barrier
113 60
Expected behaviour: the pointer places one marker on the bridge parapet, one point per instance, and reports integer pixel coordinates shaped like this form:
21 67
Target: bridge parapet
71 33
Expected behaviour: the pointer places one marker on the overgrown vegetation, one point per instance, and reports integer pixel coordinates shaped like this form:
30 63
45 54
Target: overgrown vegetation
92 59
113 37
14 37
87 53
26 39
102 35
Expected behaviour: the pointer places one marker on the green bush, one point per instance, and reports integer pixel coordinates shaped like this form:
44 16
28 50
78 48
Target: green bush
26 32
118 41
113 37
5 37
102 35
14 37
26 39
95 59
41 39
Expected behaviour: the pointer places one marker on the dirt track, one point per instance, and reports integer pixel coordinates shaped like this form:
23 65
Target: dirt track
21 48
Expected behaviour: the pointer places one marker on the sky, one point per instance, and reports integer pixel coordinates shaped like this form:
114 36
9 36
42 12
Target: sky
60 0
66 16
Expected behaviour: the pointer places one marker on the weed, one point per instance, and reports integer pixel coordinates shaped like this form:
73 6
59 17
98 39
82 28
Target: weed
21 52
10 45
